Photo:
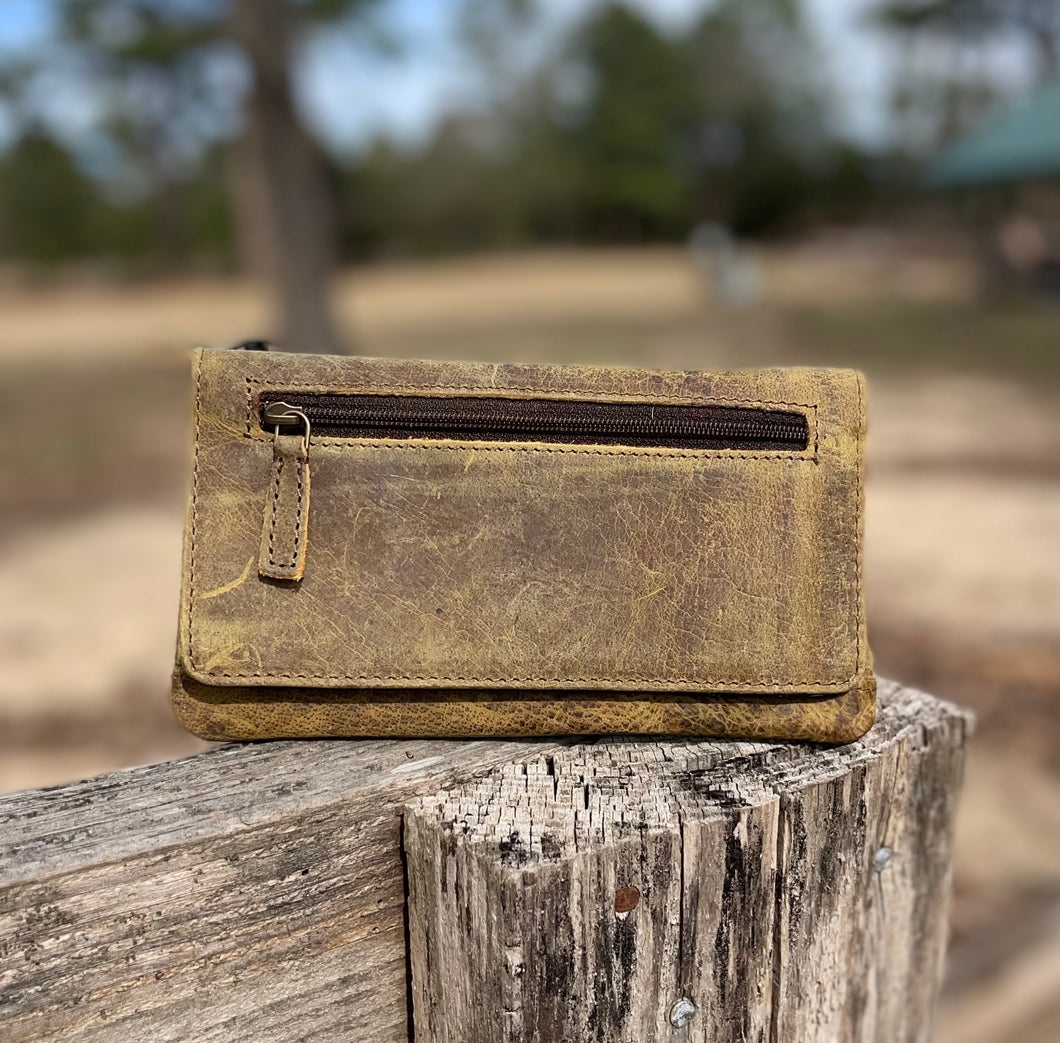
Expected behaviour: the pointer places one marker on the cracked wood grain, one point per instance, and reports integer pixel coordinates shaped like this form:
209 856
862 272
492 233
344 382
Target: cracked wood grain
790 892
252 893
556 892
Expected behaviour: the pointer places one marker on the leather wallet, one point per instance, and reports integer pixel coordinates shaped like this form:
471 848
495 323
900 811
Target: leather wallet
384 547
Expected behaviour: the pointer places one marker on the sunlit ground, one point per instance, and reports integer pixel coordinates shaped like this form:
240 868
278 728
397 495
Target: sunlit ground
963 513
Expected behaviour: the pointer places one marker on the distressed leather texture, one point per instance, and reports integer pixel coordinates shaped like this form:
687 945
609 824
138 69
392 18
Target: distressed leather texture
456 588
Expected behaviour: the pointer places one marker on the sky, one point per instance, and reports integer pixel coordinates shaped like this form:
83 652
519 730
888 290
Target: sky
351 94
405 98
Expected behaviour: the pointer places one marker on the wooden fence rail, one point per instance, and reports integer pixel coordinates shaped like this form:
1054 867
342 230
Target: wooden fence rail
623 892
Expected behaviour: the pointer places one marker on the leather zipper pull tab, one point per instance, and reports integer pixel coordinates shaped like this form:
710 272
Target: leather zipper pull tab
284 530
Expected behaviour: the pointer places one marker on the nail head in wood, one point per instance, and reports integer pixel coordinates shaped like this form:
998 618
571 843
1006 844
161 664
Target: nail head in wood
682 1012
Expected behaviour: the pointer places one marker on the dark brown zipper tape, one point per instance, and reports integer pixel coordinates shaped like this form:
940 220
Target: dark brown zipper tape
569 421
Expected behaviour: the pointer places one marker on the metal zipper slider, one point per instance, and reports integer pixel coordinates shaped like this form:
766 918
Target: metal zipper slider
282 414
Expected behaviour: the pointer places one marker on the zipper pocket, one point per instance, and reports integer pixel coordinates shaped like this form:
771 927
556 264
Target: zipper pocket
293 416
533 420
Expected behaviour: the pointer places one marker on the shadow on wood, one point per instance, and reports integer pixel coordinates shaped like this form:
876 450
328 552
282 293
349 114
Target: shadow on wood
631 891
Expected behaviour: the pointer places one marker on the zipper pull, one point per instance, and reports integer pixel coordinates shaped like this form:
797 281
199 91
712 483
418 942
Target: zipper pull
284 531
280 414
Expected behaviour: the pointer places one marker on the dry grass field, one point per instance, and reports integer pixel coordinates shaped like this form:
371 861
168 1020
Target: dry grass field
963 513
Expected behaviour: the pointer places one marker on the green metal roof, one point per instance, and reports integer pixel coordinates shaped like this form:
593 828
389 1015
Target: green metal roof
1020 144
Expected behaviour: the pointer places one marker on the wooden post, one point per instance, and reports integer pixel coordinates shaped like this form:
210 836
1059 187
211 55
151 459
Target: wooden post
577 892
691 891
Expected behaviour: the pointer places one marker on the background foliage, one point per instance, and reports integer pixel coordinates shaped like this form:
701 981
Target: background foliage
616 132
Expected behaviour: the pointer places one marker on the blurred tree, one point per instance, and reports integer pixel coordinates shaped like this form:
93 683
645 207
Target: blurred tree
619 132
763 123
46 203
170 75
609 130
52 212
497 172
632 134
1037 21
945 86
525 172
280 194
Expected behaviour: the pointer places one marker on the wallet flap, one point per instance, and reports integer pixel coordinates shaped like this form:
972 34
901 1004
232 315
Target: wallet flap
429 562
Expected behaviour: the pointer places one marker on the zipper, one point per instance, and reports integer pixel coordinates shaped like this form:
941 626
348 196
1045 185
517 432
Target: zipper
533 420
293 416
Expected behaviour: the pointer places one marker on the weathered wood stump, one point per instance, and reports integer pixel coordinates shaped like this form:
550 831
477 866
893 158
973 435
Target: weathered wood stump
630 891
691 891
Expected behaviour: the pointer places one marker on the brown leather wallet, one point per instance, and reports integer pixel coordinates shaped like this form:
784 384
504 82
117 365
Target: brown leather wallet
522 550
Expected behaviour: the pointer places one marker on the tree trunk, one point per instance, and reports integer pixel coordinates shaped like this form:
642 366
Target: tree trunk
280 193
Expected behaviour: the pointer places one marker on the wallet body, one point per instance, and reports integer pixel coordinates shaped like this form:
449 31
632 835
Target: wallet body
383 547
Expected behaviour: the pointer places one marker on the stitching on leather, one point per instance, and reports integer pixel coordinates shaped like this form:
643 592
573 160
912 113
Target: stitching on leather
736 686
732 684
480 447
194 502
384 387
300 471
296 549
859 526
275 508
